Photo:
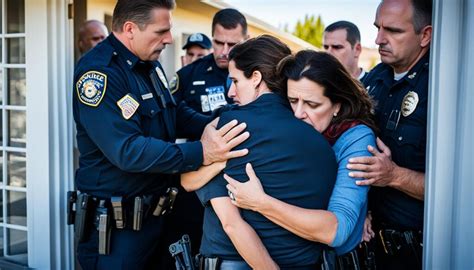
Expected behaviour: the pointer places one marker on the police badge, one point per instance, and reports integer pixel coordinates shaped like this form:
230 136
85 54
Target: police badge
162 77
91 88
409 103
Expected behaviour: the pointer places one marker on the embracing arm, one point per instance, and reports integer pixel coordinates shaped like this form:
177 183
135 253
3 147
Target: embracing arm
244 237
311 224
194 180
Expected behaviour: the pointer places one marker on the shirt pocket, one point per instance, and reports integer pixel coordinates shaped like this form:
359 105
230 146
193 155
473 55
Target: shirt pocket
410 142
149 111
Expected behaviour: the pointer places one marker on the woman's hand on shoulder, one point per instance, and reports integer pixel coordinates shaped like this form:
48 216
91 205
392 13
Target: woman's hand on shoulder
249 194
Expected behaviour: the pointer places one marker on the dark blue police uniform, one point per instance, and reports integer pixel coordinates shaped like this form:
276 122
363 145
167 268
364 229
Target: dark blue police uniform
401 114
202 87
294 163
126 126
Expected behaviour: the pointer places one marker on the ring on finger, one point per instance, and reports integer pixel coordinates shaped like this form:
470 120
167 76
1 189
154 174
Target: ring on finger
231 195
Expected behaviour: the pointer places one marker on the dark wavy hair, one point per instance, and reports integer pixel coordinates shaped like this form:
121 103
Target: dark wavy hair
261 53
339 86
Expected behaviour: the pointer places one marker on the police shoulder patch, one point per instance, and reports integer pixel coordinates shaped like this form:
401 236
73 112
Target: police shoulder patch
91 88
128 105
174 84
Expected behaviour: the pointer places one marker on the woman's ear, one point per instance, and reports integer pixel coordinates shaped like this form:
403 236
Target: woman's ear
337 108
256 78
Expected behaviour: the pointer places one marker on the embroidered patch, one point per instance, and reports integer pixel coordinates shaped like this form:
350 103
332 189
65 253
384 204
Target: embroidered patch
409 103
174 84
128 105
91 88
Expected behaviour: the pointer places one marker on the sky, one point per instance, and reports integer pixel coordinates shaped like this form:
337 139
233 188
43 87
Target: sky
281 12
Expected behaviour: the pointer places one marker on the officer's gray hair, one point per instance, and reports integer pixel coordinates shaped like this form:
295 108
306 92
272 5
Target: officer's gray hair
137 11
422 10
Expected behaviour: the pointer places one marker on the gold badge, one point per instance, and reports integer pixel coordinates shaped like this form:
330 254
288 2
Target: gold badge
409 103
128 105
162 77
174 84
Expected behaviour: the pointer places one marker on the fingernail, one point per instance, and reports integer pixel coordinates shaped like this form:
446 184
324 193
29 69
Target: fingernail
350 160
349 166
351 174
358 182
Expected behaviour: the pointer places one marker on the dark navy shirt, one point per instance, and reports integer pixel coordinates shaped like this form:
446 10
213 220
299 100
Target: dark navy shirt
125 125
202 85
401 114
294 163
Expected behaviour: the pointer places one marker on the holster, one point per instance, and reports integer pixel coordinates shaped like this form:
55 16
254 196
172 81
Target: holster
84 207
181 252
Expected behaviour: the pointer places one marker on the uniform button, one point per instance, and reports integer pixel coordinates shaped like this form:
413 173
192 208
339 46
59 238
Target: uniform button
390 95
129 62
400 138
174 171
152 111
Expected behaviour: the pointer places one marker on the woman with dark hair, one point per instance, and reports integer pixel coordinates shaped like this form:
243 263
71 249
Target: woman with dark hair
324 95
286 153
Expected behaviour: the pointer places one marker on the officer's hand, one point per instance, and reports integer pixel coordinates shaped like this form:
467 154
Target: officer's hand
217 144
377 170
368 233
248 195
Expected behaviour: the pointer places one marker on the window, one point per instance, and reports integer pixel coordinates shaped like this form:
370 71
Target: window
13 227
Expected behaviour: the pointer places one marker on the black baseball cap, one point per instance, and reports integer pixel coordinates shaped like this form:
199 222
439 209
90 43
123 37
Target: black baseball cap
198 39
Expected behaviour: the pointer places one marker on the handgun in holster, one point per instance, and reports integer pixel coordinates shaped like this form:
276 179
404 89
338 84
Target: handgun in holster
71 201
166 202
102 222
181 252
83 206
390 241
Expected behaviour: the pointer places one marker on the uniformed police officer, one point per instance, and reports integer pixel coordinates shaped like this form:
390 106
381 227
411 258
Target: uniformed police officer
397 170
125 119
342 39
202 87
202 84
197 46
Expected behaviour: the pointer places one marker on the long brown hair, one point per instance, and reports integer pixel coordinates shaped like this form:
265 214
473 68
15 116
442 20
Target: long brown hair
339 86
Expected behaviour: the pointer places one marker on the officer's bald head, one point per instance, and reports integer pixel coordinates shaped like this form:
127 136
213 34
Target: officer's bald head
90 34
137 11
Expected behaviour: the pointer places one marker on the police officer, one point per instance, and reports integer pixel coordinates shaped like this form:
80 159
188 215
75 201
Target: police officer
125 119
197 46
397 170
90 34
202 85
342 39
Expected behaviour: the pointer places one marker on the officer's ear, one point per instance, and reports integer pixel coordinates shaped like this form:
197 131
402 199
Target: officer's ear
426 36
129 28
358 49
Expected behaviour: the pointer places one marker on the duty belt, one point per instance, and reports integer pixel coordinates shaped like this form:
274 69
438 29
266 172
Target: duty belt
126 213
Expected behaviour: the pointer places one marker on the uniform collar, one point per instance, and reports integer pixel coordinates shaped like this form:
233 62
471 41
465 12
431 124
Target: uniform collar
122 51
386 75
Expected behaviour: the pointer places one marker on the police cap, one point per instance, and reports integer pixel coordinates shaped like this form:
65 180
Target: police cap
198 39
